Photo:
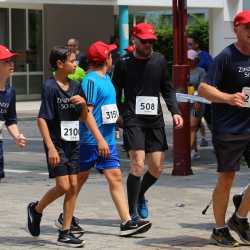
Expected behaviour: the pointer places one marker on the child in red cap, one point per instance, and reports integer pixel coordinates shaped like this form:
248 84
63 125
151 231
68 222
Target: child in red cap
8 103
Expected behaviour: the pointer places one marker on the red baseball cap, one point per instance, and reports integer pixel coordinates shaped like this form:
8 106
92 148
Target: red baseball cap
130 49
144 31
5 53
242 17
99 51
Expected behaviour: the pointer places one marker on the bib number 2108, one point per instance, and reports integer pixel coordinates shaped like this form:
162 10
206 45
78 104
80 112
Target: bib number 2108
70 130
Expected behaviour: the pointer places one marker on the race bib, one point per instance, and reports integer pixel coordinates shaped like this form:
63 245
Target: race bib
146 105
110 113
246 92
70 130
1 129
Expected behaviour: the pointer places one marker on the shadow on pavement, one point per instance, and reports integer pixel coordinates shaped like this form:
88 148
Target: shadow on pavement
175 242
200 226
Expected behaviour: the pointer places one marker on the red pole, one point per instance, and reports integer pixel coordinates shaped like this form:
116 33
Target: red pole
181 137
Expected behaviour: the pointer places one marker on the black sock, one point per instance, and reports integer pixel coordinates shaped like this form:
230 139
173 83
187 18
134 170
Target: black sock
147 181
133 189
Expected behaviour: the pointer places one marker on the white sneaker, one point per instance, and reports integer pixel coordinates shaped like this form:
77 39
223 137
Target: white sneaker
195 155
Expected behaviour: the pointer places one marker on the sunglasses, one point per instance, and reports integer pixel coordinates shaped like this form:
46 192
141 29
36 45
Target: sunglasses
147 41
7 61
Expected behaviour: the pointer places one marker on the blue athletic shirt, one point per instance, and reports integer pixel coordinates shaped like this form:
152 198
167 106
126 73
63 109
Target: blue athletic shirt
99 91
229 73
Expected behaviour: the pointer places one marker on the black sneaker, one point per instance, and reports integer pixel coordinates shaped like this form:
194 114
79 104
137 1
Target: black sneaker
133 228
222 237
237 201
75 228
241 227
68 239
34 220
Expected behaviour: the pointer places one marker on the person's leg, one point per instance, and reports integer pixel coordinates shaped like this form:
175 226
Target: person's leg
62 187
2 175
221 197
69 202
155 162
114 178
82 178
137 158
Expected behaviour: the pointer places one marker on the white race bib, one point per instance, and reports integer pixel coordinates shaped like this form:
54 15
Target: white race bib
146 105
70 130
110 113
1 129
246 92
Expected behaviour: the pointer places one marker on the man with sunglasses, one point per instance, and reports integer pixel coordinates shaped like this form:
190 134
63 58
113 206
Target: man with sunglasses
142 75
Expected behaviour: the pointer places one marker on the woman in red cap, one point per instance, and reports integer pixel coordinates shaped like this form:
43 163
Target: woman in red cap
8 103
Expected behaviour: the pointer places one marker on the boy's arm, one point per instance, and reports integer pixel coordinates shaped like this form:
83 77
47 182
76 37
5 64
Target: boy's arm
90 121
18 137
53 156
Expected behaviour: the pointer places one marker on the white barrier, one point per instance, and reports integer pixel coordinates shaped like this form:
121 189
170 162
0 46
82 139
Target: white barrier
191 98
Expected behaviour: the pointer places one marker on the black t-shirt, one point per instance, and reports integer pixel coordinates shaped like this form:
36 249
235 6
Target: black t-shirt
56 107
229 73
8 106
143 77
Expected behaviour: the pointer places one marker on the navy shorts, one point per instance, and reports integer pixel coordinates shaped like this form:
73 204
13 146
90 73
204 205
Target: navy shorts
89 157
69 160
229 149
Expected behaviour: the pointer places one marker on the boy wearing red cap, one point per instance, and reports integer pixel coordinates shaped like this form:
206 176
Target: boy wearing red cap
142 75
227 85
101 101
8 103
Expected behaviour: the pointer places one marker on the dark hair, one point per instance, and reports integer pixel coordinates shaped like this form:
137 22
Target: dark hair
196 39
58 53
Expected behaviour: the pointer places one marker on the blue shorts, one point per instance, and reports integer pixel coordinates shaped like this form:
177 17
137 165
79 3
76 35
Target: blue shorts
89 158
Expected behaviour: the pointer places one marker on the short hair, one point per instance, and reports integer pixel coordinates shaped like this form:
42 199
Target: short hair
58 53
196 39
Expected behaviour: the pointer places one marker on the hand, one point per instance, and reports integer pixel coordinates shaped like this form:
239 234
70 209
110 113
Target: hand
119 122
103 149
54 158
20 141
178 121
77 100
237 99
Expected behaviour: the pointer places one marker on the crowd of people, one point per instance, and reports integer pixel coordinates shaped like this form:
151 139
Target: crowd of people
82 107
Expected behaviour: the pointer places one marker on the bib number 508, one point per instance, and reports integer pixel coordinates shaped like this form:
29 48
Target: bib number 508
147 106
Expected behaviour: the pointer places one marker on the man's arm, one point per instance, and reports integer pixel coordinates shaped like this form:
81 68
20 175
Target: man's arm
212 94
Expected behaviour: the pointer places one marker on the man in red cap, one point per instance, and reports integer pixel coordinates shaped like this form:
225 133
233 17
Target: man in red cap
227 85
99 149
8 103
142 75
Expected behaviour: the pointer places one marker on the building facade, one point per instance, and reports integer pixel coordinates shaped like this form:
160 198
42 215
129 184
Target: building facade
32 27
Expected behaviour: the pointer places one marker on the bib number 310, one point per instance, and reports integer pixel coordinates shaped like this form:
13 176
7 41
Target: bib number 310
70 130
146 105
110 113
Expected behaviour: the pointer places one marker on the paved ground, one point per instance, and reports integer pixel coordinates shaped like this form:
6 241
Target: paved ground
175 202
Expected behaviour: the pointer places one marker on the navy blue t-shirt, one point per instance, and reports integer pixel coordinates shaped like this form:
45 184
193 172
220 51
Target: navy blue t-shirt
229 73
8 106
56 107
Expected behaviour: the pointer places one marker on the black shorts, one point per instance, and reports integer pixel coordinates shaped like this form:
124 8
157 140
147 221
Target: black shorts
229 149
69 160
147 139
